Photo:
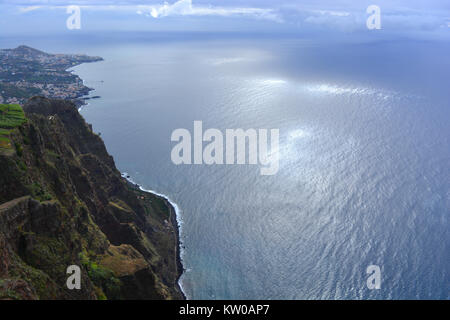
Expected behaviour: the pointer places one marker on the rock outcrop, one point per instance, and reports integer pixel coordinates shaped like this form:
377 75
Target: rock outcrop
63 202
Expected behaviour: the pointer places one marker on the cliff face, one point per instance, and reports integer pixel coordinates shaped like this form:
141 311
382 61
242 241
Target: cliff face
63 202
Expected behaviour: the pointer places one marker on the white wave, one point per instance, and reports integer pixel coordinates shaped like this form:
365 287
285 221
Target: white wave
81 107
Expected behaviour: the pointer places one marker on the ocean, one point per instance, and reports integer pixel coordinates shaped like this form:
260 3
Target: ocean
364 175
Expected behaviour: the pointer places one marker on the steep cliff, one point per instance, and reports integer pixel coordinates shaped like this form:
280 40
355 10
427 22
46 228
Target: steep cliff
63 202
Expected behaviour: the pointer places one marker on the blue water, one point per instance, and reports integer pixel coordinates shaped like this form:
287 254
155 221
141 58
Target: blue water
364 160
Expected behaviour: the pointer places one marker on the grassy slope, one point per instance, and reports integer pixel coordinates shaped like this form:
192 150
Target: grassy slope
11 116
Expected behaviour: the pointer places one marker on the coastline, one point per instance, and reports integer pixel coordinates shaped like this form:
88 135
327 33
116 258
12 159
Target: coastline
175 216
83 95
175 219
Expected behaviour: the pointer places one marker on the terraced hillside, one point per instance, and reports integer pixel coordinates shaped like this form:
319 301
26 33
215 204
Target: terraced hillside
11 117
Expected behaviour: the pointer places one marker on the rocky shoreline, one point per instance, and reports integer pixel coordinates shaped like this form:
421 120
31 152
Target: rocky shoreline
174 216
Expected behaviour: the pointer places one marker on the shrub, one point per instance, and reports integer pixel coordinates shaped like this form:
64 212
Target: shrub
19 149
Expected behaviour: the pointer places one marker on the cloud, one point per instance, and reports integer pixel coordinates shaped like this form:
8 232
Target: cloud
186 8
408 17
334 13
178 8
29 9
335 20
393 20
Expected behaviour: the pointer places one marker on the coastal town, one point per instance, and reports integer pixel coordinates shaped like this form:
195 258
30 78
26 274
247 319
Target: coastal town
27 72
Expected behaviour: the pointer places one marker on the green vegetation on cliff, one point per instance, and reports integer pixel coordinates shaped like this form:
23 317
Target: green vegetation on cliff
11 116
63 202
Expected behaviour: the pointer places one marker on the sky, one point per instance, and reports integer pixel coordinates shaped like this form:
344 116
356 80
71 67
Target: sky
424 19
